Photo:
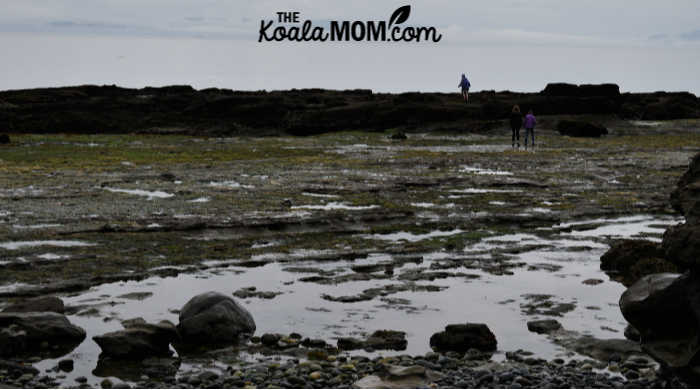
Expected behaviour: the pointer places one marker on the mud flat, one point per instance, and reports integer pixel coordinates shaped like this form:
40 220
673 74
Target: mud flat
334 237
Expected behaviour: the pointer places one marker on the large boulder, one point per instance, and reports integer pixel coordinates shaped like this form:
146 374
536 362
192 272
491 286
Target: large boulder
665 309
36 332
628 260
681 246
40 304
213 318
580 129
138 340
463 337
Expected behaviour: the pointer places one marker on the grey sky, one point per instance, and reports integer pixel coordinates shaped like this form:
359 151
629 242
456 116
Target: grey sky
643 44
508 21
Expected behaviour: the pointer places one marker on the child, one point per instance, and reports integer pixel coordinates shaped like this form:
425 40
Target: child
530 123
465 84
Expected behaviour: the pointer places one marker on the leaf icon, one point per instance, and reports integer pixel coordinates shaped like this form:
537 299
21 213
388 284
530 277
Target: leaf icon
400 15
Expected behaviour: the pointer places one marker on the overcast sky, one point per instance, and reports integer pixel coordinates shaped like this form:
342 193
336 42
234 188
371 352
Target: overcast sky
113 39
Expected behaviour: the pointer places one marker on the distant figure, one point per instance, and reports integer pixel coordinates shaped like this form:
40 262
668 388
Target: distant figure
465 84
516 120
530 123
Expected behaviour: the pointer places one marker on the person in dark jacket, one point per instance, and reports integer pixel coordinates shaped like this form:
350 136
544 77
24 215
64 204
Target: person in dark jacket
465 84
516 120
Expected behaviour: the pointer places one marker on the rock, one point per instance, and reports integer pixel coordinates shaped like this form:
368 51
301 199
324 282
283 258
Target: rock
665 308
543 326
168 176
270 339
399 377
398 136
106 384
4 139
41 304
580 129
684 198
631 333
400 371
137 296
602 349
592 282
315 375
133 369
462 337
681 246
138 340
37 330
81 379
632 259
65 365
213 318
584 90
251 292
380 339
350 343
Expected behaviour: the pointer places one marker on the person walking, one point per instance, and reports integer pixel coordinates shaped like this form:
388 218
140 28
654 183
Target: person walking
516 121
530 122
465 84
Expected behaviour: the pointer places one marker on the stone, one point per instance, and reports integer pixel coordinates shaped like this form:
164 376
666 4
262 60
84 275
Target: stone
681 246
4 139
270 339
685 196
37 330
138 340
543 326
65 365
214 318
629 260
665 308
106 384
462 337
41 304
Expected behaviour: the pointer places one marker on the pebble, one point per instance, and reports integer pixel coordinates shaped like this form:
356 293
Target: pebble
315 375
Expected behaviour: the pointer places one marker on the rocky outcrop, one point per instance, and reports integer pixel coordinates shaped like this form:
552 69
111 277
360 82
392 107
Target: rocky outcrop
581 129
214 318
463 337
138 340
213 111
37 332
40 304
628 260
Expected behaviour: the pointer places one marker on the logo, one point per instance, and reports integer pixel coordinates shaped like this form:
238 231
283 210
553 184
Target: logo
346 31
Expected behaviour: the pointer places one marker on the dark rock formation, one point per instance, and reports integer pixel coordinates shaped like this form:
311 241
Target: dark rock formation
628 260
37 332
543 326
214 318
462 337
665 309
4 139
41 304
684 198
580 129
381 339
138 340
212 111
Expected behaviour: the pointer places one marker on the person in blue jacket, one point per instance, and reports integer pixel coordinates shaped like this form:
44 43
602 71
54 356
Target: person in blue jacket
465 84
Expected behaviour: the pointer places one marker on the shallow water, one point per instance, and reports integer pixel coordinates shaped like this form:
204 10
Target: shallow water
14 245
150 195
558 269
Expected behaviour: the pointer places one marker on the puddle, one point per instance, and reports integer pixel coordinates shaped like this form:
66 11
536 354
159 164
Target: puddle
231 184
315 195
29 244
334 206
411 237
52 256
482 171
482 191
150 195
646 123
38 226
203 199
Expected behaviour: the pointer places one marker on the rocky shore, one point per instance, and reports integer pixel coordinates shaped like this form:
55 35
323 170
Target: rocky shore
184 110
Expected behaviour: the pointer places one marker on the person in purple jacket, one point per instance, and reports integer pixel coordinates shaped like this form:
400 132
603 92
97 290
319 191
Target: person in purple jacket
530 123
465 84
